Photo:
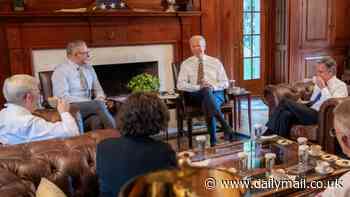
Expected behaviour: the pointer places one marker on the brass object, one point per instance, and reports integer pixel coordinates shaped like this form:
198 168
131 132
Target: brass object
186 181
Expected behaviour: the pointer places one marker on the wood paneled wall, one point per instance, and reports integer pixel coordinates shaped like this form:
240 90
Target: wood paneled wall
305 31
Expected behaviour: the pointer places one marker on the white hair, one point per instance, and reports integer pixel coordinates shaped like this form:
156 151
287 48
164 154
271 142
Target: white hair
198 37
17 86
72 46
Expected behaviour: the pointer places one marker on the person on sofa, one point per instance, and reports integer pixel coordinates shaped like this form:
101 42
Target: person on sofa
77 82
289 112
203 79
342 132
19 125
135 153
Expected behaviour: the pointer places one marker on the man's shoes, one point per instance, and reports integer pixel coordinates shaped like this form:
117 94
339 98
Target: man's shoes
212 144
228 136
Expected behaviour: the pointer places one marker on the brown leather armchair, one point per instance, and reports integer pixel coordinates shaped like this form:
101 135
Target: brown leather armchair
318 133
69 163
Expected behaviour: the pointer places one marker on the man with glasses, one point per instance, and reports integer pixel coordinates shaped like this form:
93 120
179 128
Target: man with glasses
77 82
289 112
19 125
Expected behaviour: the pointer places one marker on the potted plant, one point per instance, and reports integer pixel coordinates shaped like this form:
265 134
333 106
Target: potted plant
144 83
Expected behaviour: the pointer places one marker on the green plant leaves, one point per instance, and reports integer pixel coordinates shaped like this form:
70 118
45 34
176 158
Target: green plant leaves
144 83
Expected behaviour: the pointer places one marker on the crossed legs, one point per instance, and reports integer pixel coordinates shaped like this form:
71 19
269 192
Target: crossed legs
210 103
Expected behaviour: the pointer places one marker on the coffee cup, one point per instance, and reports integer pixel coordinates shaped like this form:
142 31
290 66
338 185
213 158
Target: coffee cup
316 149
323 166
236 90
52 101
302 140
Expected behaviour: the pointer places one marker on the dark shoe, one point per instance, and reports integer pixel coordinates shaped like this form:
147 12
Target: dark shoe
212 144
229 136
269 132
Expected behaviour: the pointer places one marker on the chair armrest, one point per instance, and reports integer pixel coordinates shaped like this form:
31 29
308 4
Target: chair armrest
326 123
50 115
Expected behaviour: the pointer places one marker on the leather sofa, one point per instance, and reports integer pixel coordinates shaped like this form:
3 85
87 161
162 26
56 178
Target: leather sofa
69 163
318 133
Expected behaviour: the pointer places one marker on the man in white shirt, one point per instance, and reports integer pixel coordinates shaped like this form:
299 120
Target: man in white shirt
77 82
289 112
18 125
342 132
203 78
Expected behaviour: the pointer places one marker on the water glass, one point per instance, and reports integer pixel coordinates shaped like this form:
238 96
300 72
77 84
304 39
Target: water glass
302 141
303 155
243 162
258 131
269 162
201 144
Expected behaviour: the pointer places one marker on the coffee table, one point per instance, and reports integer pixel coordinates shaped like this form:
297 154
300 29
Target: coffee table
226 156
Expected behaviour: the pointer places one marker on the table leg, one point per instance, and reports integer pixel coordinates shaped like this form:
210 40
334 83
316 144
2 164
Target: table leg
239 112
249 115
235 113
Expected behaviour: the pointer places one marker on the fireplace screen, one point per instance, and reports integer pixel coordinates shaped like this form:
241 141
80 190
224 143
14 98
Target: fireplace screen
115 77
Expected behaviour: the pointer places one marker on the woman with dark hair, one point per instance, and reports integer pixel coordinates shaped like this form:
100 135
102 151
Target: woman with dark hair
135 153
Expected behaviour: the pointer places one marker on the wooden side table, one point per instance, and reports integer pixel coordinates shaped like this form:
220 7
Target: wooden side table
173 102
236 98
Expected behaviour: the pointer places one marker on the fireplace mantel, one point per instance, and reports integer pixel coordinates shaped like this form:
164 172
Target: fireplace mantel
27 31
119 13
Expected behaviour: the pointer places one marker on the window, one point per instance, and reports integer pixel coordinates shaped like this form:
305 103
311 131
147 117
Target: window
251 39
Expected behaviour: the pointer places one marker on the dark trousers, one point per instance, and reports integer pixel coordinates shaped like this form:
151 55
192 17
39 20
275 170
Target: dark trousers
210 103
287 113
95 115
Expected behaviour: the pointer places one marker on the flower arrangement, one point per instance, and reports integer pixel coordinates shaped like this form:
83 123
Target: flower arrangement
143 83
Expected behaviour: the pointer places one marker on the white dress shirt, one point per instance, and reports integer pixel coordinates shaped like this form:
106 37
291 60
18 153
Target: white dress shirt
335 88
66 83
18 125
214 73
343 191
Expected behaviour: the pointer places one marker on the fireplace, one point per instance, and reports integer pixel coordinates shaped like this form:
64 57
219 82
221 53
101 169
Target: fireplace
153 58
115 77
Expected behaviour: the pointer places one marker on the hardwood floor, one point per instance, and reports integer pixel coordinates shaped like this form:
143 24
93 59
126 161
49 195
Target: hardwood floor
259 116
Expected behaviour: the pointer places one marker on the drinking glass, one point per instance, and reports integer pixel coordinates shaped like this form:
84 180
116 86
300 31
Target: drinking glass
243 163
258 131
201 144
303 155
302 141
269 162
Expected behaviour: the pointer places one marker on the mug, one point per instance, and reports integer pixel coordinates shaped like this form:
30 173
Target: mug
316 149
323 166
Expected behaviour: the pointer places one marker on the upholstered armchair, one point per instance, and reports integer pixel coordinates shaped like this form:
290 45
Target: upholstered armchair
51 114
318 133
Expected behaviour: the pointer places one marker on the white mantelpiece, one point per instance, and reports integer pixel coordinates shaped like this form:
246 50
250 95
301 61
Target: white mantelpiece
47 59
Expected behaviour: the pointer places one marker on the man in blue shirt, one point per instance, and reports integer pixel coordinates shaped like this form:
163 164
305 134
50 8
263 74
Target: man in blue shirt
76 82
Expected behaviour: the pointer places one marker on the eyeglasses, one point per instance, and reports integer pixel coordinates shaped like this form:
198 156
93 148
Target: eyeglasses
84 52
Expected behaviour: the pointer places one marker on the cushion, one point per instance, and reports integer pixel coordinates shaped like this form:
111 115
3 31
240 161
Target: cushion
47 188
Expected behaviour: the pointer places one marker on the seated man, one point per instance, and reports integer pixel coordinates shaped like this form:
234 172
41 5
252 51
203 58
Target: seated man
18 125
76 82
342 132
203 78
288 112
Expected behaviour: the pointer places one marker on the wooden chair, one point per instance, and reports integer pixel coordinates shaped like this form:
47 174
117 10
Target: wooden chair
188 112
